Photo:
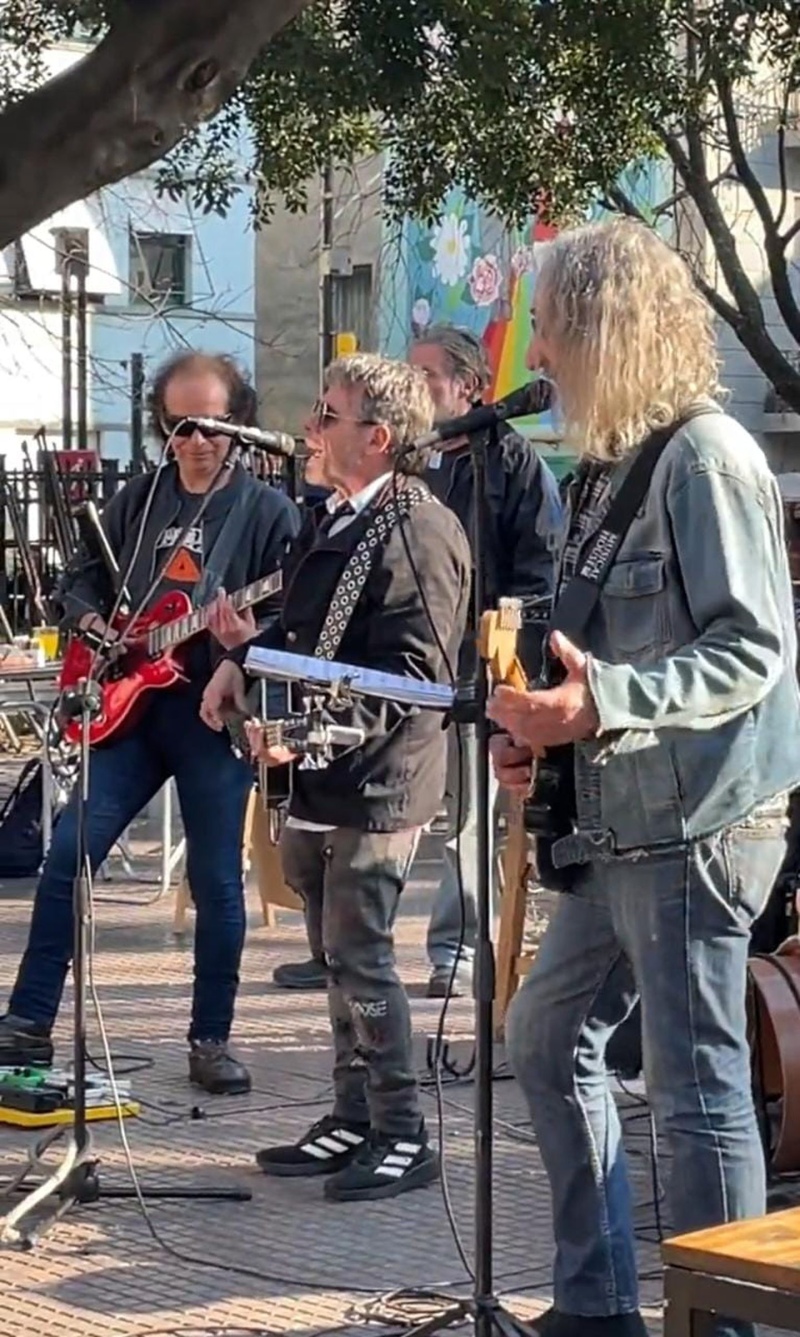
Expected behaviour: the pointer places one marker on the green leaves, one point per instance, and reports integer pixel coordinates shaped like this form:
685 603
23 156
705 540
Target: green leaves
463 92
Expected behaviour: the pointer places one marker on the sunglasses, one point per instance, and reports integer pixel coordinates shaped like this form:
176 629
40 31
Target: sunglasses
182 428
322 413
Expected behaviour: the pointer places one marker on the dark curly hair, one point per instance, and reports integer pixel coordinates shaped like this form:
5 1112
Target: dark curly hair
241 395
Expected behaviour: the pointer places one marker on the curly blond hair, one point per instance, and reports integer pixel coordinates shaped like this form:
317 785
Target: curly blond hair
634 338
395 395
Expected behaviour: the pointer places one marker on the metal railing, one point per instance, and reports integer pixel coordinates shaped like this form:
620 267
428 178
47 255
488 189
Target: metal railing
38 532
40 506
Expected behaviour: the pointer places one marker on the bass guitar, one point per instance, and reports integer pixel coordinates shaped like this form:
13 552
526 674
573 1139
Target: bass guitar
497 646
146 656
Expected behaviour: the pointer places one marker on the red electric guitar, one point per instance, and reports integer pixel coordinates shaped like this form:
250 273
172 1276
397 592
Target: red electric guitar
150 660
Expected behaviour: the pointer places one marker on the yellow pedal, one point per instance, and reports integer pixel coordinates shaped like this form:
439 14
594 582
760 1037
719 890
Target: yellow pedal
36 1097
96 1113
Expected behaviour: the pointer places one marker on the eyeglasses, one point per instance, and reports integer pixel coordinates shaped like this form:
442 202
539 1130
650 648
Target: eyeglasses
322 413
184 427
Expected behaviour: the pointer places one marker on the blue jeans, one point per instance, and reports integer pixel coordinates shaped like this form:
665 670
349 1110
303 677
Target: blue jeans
673 928
213 787
461 850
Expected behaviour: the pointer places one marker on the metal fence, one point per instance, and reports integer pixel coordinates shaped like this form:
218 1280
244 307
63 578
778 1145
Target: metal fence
39 530
42 510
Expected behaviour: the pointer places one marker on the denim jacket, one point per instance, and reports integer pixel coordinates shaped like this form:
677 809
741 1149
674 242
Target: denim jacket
692 652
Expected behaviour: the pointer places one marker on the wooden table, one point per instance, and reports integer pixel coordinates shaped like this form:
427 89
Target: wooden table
748 1270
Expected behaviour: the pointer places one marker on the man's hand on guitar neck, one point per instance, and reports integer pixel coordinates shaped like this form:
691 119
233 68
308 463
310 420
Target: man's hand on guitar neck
513 765
229 627
554 715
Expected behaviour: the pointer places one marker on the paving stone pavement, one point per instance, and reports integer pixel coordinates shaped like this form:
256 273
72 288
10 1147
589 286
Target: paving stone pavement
308 1265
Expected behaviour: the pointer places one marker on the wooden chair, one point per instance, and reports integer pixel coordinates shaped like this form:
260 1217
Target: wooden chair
747 1270
260 852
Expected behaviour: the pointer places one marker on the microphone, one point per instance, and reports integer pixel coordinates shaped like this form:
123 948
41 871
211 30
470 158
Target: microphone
272 443
535 397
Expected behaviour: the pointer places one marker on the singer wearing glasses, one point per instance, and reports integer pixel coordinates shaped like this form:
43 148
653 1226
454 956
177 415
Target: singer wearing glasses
378 577
522 518
162 543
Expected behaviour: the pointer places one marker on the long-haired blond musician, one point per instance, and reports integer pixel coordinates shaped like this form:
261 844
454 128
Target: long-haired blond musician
682 705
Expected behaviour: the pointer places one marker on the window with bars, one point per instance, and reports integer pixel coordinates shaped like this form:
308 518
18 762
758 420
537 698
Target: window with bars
159 268
352 305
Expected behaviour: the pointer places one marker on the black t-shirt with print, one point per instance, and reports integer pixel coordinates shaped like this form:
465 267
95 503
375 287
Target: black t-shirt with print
183 565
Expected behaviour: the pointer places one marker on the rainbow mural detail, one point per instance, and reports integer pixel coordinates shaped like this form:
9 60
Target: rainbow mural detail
469 270
466 270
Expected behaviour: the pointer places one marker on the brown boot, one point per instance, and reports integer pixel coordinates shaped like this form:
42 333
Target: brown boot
213 1067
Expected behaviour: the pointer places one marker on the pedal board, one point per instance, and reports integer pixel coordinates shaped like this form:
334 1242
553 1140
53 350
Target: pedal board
43 1097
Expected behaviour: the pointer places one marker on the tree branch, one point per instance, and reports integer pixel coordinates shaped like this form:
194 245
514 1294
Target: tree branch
791 232
667 205
691 169
161 70
751 332
773 243
723 309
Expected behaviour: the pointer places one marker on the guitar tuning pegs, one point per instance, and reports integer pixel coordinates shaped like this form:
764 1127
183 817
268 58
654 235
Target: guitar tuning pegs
510 614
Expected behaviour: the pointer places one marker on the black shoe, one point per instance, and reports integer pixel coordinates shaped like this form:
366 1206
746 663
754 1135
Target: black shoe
385 1167
328 1146
554 1323
212 1066
23 1043
301 975
439 982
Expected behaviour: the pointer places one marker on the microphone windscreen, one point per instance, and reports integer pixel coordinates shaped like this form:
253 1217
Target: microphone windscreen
540 394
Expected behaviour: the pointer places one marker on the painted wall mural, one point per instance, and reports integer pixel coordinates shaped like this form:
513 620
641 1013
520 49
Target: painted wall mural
469 270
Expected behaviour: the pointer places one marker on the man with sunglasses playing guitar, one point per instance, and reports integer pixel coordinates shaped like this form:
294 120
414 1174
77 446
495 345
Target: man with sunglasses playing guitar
163 542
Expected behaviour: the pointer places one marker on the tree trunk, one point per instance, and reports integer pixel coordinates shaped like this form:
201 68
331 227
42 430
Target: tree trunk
162 69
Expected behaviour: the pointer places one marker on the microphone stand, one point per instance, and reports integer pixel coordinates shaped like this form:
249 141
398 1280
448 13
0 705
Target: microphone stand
483 1308
75 1181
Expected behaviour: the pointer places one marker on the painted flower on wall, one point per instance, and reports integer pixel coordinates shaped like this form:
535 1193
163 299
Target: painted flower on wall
421 314
485 280
522 261
451 247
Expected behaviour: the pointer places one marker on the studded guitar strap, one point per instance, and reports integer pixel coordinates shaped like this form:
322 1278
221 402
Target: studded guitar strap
355 574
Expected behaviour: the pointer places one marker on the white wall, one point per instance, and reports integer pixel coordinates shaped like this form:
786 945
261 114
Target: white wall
219 315
288 282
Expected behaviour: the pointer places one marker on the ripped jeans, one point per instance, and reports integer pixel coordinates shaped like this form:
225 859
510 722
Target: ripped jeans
350 884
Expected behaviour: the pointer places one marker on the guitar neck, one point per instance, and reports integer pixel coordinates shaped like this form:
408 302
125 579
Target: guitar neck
191 624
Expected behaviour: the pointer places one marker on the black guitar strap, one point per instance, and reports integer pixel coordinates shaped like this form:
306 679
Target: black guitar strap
579 598
224 546
359 564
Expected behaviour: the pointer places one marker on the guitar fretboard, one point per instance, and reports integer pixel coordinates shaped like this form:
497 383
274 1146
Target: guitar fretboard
183 628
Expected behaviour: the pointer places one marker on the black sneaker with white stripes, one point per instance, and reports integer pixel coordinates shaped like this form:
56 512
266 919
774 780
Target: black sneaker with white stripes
328 1146
384 1167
